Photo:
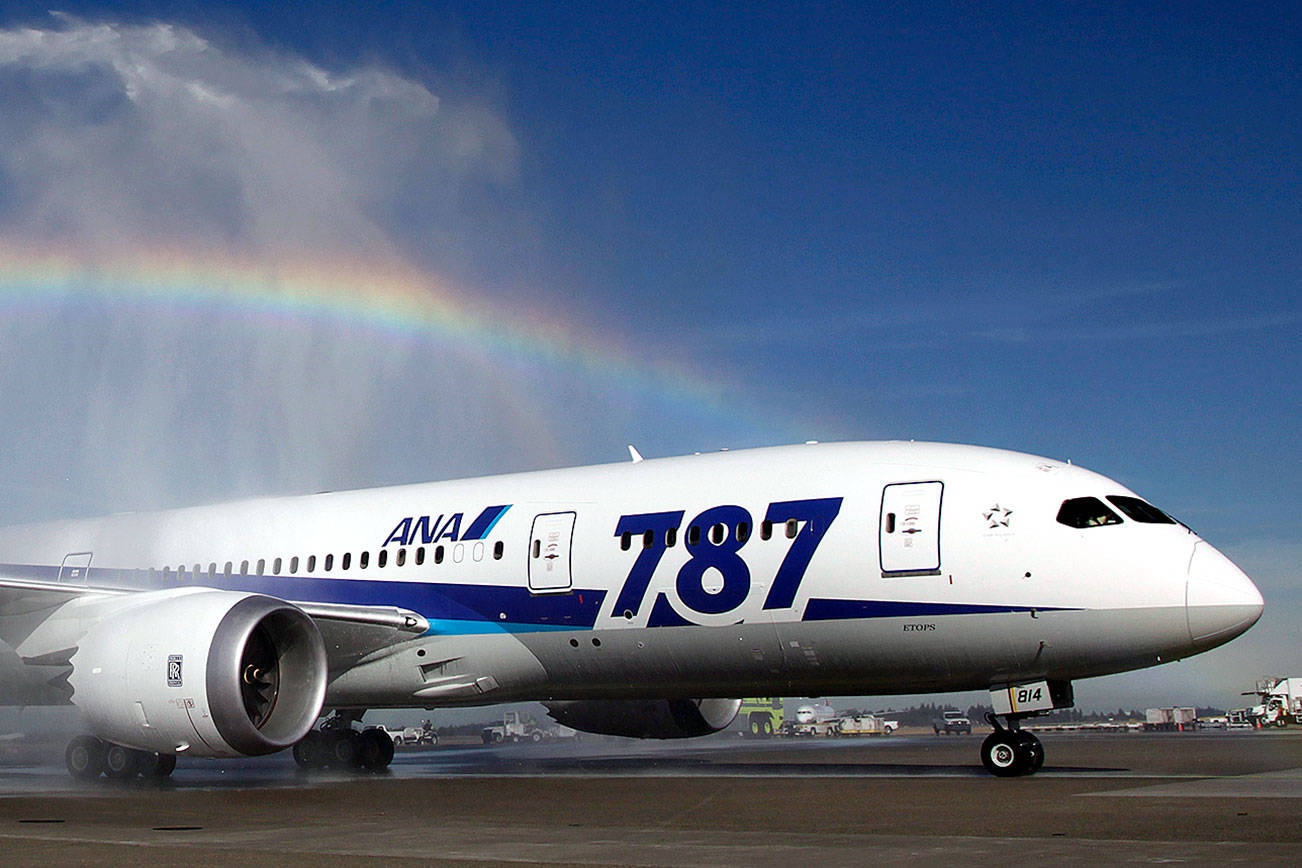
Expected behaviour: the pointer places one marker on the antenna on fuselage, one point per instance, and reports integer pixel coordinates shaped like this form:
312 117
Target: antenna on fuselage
634 454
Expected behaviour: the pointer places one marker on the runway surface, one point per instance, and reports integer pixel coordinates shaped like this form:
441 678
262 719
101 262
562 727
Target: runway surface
1224 797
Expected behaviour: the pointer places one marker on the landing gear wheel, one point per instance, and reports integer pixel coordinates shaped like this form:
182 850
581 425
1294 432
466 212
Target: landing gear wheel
121 763
374 750
1033 750
1003 755
158 766
85 757
309 751
341 749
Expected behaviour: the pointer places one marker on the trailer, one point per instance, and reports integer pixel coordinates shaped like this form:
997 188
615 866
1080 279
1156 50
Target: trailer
1171 719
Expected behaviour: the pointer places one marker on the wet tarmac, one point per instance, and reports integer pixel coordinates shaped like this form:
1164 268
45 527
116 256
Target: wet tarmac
1222 797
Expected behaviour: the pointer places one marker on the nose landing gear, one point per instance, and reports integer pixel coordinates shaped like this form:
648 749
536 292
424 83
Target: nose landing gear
1009 751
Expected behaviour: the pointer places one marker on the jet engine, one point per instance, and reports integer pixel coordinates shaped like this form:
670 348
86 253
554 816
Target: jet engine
201 672
646 718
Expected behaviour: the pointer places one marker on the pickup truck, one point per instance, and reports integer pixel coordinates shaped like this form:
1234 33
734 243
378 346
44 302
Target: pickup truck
951 723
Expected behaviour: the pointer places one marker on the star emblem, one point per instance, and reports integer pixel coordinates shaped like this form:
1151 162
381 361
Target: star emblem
998 516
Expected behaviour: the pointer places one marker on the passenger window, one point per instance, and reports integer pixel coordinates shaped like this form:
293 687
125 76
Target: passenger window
1083 512
766 529
180 573
792 527
346 561
363 560
227 570
262 566
648 539
329 563
671 537
275 567
438 554
498 549
537 548
420 555
694 535
293 565
244 568
625 541
402 557
311 563
212 570
1140 510
382 558
743 531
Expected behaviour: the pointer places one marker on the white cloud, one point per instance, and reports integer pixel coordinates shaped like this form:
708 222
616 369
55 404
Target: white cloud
152 134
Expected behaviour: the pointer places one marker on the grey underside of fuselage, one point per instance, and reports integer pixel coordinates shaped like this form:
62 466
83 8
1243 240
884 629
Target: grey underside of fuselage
848 657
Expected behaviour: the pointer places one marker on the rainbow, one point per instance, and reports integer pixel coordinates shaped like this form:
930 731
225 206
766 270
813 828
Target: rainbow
394 303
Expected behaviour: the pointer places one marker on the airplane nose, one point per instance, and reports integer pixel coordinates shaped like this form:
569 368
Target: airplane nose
1220 601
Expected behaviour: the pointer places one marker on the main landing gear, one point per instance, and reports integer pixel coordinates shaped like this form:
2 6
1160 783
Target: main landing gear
88 757
1009 752
336 745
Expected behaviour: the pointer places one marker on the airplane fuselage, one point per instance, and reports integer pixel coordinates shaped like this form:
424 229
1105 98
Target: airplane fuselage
861 568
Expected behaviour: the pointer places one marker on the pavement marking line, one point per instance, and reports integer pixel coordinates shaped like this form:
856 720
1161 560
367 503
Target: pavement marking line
1286 784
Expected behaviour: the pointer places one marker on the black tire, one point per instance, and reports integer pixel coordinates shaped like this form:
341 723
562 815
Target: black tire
1002 755
85 757
374 750
766 729
536 736
158 766
309 751
121 763
341 749
1034 751
756 727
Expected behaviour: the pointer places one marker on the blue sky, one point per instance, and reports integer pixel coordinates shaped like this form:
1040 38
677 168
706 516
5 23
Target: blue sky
1053 227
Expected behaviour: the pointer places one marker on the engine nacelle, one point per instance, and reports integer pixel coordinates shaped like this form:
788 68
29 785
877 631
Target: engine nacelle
646 718
201 672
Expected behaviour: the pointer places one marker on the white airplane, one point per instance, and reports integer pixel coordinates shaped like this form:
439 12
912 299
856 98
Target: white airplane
637 599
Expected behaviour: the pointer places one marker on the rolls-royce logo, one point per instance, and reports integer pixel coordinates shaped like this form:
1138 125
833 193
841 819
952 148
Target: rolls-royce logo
174 670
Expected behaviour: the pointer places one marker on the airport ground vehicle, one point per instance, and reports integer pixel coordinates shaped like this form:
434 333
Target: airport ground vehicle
1171 719
813 720
762 716
514 727
1281 701
951 723
866 724
416 735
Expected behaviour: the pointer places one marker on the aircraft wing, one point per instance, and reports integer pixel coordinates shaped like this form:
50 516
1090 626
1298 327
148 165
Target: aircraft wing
350 632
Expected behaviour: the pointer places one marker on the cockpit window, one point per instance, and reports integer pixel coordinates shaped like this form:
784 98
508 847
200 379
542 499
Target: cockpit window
1086 512
1140 510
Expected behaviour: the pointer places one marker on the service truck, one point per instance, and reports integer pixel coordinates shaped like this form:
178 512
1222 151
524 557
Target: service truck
866 724
951 722
761 716
513 728
1281 701
812 720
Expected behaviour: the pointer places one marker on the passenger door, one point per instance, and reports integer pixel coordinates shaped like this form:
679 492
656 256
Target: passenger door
549 553
910 529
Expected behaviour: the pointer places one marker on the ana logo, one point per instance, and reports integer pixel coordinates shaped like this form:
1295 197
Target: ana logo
174 670
424 529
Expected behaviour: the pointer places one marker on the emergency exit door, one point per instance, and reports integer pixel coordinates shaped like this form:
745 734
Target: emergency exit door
910 529
549 553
